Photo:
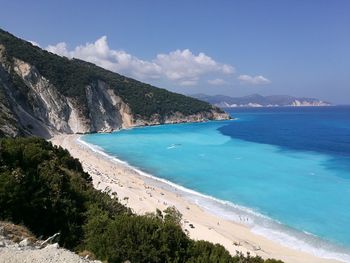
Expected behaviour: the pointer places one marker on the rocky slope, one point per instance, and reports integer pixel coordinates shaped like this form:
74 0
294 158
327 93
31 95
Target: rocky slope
16 253
44 94
257 100
17 245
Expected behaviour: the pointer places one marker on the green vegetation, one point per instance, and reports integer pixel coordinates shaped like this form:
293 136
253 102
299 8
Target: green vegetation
43 188
71 76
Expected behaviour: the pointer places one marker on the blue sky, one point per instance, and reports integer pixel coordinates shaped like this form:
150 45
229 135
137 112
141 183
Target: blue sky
299 47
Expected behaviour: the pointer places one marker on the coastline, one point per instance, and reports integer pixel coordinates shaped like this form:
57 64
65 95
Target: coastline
145 194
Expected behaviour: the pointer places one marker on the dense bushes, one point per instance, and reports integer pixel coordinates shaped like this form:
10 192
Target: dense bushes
203 251
70 77
137 238
45 189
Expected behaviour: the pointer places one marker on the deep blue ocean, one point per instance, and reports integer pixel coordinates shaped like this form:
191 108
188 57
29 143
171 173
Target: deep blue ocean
287 170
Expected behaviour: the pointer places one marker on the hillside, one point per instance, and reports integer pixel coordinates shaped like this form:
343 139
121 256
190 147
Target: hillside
45 94
257 100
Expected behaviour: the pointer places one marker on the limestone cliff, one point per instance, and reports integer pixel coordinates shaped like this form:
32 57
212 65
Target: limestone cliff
42 94
46 112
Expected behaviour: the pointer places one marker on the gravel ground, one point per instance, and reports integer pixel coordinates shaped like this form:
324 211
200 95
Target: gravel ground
26 252
48 254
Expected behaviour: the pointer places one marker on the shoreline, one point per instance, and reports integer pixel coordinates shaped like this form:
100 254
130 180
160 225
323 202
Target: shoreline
145 193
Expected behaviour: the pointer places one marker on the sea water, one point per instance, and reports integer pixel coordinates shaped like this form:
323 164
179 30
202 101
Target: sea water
284 172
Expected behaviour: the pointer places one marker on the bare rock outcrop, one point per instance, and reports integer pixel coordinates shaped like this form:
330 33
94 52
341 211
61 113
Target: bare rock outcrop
46 112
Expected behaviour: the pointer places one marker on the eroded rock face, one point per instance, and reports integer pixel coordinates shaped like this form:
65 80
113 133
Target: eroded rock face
45 112
30 104
107 111
47 104
178 117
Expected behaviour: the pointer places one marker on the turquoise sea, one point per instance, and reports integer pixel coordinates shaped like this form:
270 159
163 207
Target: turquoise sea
284 171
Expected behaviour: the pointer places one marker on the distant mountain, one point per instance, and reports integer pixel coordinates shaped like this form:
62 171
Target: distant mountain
256 100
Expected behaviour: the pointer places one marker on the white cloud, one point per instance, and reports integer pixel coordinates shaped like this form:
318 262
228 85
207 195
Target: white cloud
217 82
189 82
180 66
115 60
184 65
227 69
254 80
33 43
59 49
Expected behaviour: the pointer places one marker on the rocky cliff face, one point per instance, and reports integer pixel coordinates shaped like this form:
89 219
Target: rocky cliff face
178 117
43 111
31 104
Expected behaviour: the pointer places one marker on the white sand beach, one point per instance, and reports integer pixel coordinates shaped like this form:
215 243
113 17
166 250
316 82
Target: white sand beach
138 193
